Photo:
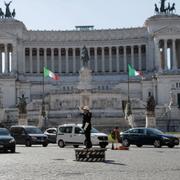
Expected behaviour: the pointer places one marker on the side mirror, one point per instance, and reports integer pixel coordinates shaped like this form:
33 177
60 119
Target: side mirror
81 132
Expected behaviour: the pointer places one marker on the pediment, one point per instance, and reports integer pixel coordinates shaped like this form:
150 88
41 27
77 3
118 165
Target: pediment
168 30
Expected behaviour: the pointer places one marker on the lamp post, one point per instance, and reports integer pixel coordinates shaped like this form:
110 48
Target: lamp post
154 82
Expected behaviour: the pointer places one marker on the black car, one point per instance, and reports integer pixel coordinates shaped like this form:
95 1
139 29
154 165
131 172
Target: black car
51 134
28 135
7 142
148 136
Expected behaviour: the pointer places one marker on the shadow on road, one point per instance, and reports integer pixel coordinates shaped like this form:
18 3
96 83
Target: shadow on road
59 159
114 163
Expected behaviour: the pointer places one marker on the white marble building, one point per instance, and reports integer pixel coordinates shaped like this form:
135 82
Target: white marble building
153 48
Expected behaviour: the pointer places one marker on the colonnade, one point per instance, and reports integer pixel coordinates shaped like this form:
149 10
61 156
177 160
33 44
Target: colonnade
68 60
6 53
167 54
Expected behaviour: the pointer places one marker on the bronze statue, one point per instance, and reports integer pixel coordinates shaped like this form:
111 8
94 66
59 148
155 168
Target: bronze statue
13 13
151 104
1 13
156 9
8 13
172 8
85 56
162 8
22 105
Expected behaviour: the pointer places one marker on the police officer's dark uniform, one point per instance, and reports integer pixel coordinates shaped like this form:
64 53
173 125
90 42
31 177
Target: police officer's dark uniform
86 125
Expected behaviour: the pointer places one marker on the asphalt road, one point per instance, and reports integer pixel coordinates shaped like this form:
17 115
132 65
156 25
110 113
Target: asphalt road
53 163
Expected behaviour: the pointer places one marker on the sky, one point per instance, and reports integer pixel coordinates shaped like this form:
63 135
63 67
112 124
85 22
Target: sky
66 14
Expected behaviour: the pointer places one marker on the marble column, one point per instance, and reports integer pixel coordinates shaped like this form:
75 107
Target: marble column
24 60
52 59
125 59
74 59
117 59
38 60
14 59
132 56
59 53
139 58
158 65
31 64
103 60
6 58
95 59
165 55
45 57
110 59
67 61
174 54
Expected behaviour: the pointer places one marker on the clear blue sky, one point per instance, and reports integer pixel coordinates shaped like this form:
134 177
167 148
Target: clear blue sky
66 14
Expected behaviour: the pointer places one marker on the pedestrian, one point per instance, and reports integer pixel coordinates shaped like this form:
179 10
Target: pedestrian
115 136
86 125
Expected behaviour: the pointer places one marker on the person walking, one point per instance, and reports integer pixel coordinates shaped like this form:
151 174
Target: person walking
86 125
116 137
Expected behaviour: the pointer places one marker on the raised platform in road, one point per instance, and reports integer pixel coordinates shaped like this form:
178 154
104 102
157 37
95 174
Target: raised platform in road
90 155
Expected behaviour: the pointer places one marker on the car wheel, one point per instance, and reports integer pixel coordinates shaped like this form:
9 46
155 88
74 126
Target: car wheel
125 143
139 145
45 144
61 143
171 145
76 146
13 150
28 143
157 143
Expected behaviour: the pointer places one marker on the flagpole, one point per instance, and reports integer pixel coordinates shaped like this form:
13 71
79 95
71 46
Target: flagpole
43 113
128 87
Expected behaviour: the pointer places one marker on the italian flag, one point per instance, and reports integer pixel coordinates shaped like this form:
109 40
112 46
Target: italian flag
133 72
48 73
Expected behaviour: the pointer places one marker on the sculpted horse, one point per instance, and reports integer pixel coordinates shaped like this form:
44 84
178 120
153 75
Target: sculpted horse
13 13
156 9
172 8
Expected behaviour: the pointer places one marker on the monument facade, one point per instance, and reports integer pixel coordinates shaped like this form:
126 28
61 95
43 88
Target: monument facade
153 49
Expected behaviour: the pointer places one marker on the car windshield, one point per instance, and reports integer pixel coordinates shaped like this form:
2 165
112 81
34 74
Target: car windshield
4 132
32 130
156 131
93 130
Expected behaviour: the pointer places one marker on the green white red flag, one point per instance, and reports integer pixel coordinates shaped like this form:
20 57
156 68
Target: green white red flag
133 72
48 73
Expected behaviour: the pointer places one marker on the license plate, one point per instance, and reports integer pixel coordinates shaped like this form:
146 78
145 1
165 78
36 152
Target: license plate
1 146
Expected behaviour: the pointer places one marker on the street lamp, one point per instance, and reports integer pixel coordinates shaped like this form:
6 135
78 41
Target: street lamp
154 82
43 113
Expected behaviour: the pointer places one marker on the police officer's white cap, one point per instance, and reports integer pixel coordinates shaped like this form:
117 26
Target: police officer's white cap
86 108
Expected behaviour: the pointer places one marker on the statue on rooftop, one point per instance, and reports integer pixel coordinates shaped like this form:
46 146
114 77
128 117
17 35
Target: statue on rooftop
162 8
8 13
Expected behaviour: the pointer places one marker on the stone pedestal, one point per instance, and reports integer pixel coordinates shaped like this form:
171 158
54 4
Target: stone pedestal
150 120
90 155
131 122
22 120
85 86
85 77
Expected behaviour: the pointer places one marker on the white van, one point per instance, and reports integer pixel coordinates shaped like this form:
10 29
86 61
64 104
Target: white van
72 134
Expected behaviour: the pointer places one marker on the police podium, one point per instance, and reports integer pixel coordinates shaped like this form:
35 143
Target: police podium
90 155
